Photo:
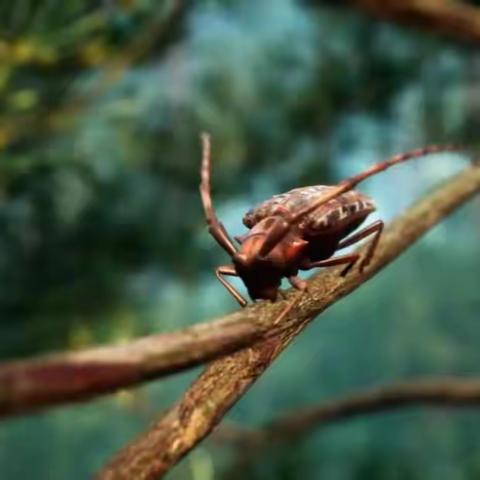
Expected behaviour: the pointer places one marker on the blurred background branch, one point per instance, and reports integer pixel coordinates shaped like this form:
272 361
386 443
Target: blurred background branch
108 62
441 392
455 19
446 392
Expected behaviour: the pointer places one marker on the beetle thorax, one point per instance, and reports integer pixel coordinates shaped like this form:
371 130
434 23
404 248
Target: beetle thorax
270 251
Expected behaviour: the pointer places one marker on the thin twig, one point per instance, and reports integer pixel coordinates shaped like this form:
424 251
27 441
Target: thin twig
224 382
252 443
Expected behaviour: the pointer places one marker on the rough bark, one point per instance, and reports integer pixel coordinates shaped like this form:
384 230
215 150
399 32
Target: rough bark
225 380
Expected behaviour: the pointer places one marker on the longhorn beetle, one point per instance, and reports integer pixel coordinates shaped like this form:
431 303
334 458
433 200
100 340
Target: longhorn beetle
298 230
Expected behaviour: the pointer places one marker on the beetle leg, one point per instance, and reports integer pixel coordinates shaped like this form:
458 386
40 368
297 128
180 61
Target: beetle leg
298 283
215 227
288 308
230 271
375 229
350 260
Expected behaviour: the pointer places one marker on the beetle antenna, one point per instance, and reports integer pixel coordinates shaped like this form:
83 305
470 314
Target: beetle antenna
351 182
215 227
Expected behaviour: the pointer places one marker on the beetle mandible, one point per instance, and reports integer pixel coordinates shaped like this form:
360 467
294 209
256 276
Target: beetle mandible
298 230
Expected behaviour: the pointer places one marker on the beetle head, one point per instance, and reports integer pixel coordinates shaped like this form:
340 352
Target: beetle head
269 252
258 244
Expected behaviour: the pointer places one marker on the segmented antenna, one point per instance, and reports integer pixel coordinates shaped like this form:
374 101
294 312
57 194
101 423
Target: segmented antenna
351 182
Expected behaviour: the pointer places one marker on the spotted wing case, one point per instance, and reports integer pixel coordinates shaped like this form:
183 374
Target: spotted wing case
344 211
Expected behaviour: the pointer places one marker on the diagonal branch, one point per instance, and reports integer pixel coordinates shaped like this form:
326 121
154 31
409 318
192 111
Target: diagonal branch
225 380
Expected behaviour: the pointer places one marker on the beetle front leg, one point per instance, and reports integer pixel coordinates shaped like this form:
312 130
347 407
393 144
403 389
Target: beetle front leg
375 229
230 271
302 285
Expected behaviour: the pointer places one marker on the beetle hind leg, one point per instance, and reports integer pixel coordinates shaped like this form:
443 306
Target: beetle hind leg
374 229
349 260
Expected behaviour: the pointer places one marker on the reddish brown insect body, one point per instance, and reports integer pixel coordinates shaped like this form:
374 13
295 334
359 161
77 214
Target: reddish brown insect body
298 230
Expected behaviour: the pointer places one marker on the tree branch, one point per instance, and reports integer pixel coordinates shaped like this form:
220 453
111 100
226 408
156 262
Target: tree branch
457 20
28 385
225 380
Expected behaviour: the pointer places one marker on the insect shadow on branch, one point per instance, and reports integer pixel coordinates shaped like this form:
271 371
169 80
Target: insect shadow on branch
301 229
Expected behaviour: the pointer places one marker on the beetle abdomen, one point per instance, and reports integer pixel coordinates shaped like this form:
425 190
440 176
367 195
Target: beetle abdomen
349 208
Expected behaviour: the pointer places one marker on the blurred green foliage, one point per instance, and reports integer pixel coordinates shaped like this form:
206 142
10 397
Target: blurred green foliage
102 236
